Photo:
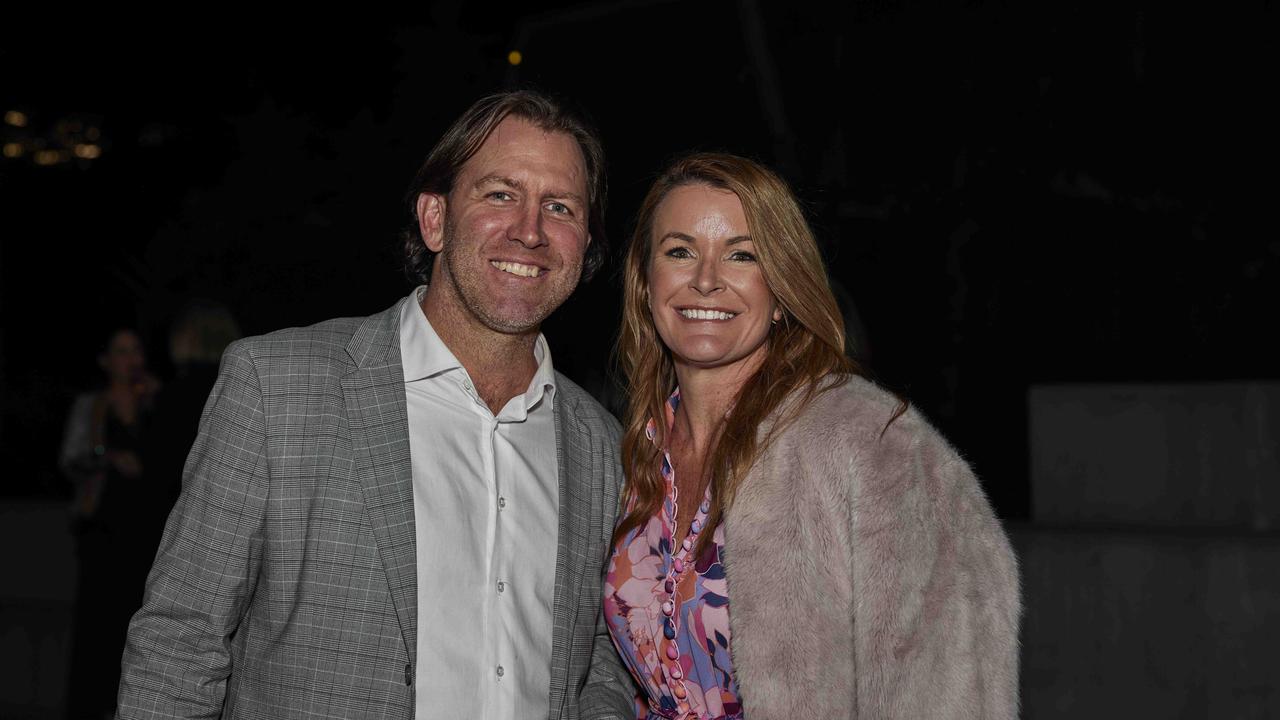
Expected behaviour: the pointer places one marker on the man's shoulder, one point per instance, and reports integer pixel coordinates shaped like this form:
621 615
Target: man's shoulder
323 339
582 406
312 349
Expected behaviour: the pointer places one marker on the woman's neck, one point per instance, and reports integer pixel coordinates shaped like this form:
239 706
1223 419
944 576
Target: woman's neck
707 395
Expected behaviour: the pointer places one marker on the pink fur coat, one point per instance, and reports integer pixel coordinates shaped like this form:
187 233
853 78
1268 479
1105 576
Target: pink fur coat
868 576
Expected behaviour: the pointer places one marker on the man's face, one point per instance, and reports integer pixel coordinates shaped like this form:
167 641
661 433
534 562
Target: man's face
512 233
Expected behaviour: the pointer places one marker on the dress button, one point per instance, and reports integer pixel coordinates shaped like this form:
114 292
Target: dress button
500 671
502 587
502 503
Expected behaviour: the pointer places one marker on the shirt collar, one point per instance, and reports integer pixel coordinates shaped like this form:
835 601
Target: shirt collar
423 355
673 402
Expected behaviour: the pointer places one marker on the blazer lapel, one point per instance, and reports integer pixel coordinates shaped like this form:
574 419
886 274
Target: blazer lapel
577 507
379 423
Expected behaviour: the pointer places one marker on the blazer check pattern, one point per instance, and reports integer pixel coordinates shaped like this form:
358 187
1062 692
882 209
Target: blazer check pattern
285 585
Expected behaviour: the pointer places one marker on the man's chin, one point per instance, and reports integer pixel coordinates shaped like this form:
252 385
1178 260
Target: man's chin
509 322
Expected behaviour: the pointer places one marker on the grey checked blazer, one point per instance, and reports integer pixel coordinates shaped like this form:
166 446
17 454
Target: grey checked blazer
285 585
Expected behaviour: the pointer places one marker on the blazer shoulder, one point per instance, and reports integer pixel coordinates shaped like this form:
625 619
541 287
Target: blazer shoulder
323 339
586 409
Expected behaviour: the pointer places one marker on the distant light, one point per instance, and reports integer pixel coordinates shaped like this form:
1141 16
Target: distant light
48 157
16 118
12 150
88 151
514 57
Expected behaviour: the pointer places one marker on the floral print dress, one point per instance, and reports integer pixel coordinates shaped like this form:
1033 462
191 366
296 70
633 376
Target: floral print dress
668 613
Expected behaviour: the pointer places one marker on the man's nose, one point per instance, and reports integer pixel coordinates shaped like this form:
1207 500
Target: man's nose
527 227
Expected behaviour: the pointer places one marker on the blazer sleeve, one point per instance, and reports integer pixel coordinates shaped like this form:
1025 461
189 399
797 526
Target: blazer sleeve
937 605
609 693
177 656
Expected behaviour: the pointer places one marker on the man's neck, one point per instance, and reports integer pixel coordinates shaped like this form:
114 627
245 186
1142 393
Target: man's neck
501 365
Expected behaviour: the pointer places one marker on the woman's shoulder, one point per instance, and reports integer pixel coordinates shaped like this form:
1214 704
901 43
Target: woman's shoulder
844 402
853 413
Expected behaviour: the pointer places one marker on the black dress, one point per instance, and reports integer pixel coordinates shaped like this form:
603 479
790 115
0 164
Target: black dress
115 546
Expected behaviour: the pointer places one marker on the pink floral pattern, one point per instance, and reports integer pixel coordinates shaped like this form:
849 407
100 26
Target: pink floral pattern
682 662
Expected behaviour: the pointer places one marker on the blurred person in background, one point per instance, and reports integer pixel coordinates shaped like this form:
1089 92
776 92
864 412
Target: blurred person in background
197 338
105 456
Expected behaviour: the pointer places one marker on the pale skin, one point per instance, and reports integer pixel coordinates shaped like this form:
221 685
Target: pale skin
703 261
511 236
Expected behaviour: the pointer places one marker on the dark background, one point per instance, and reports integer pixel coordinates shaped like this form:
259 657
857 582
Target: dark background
1011 197
1007 194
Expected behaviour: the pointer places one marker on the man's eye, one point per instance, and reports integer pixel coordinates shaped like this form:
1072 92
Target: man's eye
500 195
560 208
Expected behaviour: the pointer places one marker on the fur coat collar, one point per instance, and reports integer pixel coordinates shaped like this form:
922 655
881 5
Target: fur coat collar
868 575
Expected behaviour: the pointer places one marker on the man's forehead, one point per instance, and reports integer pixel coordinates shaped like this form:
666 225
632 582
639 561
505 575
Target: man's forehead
518 142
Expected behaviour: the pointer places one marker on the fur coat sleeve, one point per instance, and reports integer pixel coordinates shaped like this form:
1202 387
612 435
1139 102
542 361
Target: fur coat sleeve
868 576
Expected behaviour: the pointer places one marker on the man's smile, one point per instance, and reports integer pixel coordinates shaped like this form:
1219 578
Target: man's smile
516 268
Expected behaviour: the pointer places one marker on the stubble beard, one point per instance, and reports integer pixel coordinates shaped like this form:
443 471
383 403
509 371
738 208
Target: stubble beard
478 299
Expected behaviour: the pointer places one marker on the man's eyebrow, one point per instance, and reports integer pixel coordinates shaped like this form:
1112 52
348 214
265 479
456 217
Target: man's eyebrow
517 185
500 180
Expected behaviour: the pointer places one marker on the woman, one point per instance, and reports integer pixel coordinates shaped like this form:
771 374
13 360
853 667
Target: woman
117 515
795 543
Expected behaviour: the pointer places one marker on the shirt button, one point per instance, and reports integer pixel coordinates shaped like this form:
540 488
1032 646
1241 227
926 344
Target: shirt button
502 587
502 503
501 672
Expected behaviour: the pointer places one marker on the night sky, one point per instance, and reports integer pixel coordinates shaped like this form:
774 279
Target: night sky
1006 194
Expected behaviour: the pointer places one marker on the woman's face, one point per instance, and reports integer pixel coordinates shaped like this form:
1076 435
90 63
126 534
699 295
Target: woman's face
123 360
708 299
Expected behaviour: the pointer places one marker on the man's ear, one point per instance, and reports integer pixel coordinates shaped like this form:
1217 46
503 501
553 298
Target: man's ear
430 210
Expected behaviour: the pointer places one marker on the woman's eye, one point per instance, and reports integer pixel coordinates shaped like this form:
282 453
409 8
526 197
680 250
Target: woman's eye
743 256
679 252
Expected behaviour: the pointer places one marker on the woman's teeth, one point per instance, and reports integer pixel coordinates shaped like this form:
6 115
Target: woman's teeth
693 314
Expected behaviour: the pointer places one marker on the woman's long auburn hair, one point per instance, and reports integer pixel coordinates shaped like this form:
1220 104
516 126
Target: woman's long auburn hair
804 347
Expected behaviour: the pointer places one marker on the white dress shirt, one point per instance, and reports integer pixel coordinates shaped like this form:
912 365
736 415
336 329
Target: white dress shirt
485 502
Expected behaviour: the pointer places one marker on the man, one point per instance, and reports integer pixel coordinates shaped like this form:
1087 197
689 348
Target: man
406 515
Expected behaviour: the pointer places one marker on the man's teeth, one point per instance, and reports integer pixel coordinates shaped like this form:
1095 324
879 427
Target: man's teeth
693 314
516 268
